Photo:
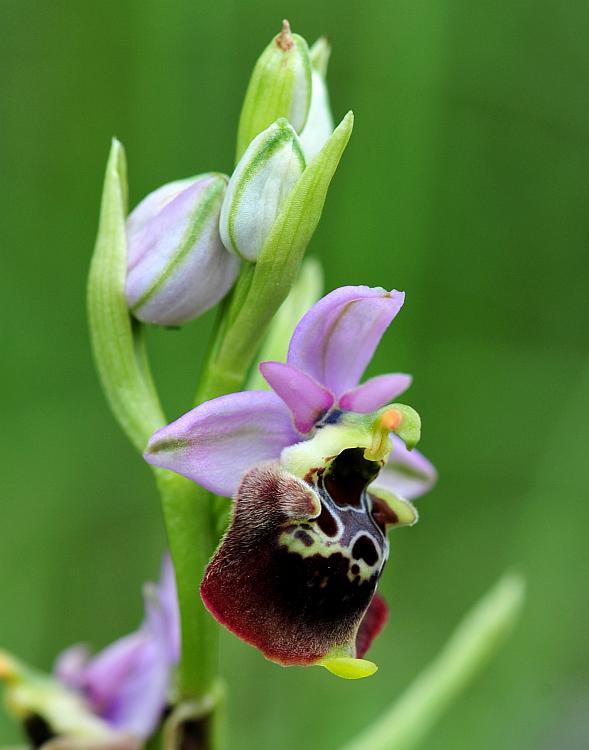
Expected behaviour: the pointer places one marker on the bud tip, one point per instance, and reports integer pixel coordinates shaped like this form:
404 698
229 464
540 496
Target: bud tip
284 40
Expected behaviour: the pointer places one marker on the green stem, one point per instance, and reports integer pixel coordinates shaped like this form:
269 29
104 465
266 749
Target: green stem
216 378
472 644
191 523
192 538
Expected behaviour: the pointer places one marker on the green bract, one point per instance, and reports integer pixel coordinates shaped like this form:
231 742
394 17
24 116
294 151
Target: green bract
116 338
319 125
263 287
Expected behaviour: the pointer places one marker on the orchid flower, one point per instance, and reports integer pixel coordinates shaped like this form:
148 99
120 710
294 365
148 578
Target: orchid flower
127 684
112 701
317 482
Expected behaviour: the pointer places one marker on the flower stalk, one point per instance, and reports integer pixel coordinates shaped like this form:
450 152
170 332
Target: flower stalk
192 540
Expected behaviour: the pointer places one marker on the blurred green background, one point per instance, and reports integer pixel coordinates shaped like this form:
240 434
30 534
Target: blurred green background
465 183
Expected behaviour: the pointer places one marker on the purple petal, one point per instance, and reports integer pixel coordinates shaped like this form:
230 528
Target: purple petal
375 393
111 667
168 597
138 705
150 207
218 441
306 399
408 473
127 683
335 340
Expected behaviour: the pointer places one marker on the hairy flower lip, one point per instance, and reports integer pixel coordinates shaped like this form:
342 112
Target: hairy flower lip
309 608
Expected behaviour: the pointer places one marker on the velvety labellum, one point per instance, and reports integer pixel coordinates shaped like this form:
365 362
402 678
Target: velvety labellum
298 568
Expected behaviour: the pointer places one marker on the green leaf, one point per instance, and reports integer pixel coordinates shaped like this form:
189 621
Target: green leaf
117 339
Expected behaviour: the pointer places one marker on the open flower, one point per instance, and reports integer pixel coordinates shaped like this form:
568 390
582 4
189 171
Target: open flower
127 684
112 701
318 467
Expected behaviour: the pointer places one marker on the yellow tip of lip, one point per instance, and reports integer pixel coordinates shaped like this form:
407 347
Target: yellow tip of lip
391 419
348 668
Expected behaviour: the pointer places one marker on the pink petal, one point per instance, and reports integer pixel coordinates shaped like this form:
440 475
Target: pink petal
408 473
306 399
375 393
109 669
148 209
139 696
127 683
138 705
218 441
168 598
335 340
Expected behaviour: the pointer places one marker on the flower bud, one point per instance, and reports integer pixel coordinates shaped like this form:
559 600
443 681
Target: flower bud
177 266
280 86
263 179
319 125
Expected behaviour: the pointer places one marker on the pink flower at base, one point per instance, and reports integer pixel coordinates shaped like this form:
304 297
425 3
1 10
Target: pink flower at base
127 684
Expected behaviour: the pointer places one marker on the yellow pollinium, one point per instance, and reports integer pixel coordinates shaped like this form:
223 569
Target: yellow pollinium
391 419
349 668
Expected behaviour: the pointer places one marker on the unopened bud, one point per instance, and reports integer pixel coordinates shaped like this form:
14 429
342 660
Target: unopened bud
177 267
319 125
280 86
263 179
